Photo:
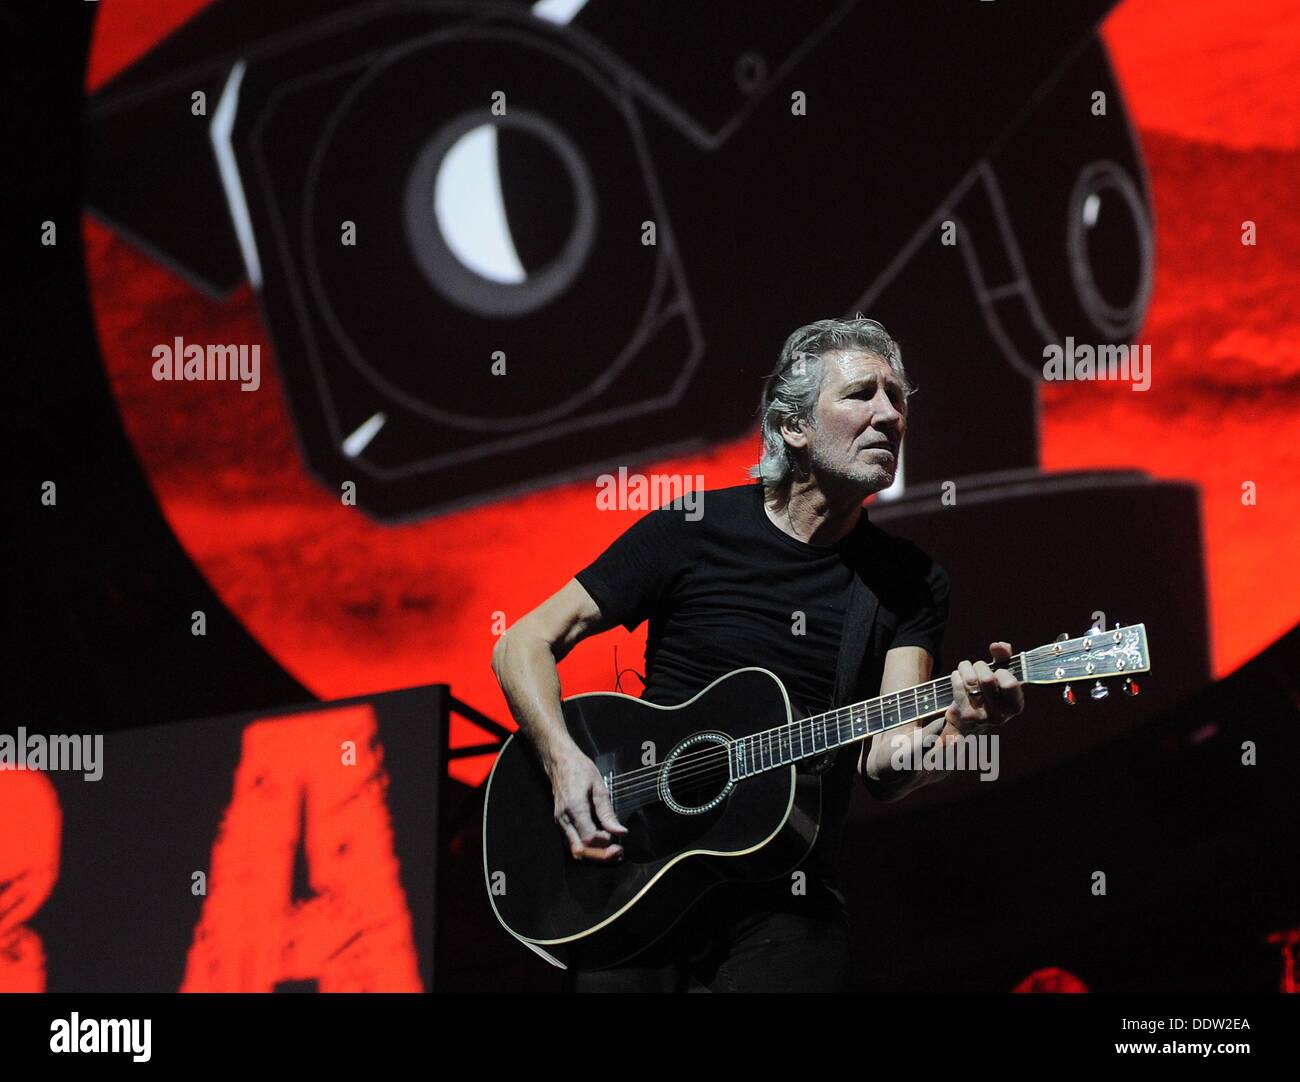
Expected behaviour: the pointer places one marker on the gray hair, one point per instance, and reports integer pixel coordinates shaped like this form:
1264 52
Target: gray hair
791 391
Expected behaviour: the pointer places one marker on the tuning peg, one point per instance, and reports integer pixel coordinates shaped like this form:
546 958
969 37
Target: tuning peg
1099 691
1068 695
1131 687
1062 636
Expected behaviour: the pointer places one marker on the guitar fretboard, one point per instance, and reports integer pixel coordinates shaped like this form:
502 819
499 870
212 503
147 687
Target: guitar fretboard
816 735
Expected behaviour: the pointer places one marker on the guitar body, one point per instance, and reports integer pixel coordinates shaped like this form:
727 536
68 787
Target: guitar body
721 798
689 826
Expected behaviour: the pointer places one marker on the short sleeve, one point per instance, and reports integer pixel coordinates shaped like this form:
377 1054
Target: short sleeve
630 579
924 625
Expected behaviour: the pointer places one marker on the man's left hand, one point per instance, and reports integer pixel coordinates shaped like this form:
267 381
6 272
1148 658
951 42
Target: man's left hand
984 697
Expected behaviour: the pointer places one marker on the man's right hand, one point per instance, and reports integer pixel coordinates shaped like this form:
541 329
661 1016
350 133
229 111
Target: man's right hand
583 809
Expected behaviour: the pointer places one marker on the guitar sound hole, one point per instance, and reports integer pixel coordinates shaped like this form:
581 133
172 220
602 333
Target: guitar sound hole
696 775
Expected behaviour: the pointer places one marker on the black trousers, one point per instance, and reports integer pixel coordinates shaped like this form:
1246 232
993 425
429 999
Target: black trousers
743 937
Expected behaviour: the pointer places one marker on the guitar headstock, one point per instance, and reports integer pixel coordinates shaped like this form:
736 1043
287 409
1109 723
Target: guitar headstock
1092 656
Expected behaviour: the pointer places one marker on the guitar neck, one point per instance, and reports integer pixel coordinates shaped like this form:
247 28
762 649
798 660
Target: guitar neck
1091 656
810 737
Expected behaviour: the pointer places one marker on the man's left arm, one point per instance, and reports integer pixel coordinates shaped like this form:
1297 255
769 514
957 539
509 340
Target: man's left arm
983 698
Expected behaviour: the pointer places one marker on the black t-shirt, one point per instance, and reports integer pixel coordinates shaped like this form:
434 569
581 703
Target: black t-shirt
731 589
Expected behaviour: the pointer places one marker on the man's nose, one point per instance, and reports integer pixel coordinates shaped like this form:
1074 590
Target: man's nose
885 411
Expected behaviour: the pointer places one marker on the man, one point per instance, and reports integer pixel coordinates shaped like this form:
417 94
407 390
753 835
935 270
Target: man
763 578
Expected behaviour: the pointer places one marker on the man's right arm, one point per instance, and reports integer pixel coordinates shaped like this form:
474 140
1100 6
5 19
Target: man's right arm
524 661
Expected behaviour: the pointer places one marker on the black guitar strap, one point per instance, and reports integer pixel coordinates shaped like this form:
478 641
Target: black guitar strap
859 620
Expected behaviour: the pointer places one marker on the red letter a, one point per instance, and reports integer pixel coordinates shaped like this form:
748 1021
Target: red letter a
354 935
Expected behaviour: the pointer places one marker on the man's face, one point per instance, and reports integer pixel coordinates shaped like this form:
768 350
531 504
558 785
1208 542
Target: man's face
861 416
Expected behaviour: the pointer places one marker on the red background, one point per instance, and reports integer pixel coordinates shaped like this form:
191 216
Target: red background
349 607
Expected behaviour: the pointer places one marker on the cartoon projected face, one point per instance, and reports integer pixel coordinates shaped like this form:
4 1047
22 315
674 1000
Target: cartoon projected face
496 253
468 308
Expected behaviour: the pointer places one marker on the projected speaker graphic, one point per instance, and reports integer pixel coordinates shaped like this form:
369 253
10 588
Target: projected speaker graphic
496 246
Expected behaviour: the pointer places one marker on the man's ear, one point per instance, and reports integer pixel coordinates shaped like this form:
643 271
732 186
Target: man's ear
793 431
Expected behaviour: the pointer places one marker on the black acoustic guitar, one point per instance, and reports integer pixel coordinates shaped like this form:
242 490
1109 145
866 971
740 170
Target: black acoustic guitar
736 795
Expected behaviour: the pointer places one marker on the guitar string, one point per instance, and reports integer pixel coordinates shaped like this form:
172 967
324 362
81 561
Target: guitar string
870 706
710 761
718 761
868 710
633 784
766 756
801 731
